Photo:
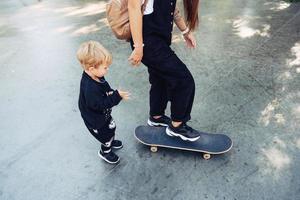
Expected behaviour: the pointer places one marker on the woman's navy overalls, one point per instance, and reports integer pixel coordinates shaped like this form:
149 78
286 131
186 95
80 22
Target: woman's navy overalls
169 77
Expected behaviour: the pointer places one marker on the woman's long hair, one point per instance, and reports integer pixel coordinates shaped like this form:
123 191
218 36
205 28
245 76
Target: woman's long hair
191 13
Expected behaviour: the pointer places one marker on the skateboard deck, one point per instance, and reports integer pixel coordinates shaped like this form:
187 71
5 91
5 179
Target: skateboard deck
208 143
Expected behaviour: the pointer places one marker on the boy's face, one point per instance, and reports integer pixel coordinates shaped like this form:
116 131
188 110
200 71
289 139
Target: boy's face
99 71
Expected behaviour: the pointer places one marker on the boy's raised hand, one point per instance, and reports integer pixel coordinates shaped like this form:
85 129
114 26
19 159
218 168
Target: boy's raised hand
124 94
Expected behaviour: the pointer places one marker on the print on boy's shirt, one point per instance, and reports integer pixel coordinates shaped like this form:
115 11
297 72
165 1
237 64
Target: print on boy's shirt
108 111
112 124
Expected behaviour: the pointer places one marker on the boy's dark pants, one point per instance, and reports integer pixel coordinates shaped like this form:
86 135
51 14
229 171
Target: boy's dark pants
105 135
170 80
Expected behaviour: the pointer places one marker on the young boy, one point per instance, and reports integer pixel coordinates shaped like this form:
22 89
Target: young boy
96 98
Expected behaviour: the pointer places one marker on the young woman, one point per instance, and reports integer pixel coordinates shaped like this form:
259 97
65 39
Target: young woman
169 77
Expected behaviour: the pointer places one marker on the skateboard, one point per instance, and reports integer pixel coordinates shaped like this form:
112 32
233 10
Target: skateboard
208 144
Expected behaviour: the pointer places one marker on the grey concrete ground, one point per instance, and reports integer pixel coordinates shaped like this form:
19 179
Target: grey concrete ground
246 68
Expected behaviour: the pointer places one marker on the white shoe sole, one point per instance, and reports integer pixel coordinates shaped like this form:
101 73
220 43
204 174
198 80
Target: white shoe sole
99 154
117 147
150 123
172 134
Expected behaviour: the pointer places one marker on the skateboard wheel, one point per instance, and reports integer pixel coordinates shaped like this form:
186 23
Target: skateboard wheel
153 149
206 156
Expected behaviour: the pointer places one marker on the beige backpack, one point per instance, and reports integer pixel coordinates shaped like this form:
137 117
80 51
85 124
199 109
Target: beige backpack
118 17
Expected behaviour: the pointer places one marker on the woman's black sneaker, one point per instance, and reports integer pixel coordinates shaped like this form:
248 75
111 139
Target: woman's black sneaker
110 157
162 121
183 131
116 144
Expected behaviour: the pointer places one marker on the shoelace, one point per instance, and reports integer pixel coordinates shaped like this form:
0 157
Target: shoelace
164 117
188 127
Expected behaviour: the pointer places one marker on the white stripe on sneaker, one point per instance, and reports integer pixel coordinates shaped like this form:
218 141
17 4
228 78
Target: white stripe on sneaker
171 133
151 123
120 147
100 155
109 150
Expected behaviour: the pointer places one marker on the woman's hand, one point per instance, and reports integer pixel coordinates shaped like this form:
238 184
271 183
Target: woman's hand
190 40
136 56
136 27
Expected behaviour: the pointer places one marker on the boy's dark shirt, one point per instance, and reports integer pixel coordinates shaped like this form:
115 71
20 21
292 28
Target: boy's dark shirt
94 102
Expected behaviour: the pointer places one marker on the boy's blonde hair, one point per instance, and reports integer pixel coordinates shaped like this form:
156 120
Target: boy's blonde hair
93 54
